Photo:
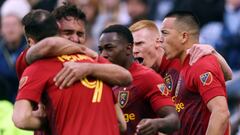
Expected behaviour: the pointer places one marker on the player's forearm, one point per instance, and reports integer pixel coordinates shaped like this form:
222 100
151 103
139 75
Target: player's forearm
55 46
218 122
121 121
30 123
224 66
23 117
112 74
168 124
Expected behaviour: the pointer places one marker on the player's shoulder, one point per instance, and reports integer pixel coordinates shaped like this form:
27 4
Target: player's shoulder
43 64
206 61
147 73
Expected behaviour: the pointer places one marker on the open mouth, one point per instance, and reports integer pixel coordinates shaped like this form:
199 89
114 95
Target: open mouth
139 59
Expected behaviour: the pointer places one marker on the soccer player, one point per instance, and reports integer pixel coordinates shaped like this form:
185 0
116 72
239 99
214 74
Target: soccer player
71 22
147 46
200 92
147 107
84 108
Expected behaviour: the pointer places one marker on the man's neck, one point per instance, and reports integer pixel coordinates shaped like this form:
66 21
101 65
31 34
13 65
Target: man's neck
128 63
158 62
182 57
188 45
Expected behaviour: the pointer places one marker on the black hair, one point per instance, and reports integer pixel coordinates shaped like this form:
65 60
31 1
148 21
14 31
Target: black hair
69 10
40 24
121 30
186 17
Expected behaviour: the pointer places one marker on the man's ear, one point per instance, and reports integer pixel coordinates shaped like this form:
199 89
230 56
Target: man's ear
157 43
184 37
129 49
31 41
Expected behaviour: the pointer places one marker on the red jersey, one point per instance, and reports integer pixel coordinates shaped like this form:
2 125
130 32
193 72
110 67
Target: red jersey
197 85
21 63
85 108
143 97
170 70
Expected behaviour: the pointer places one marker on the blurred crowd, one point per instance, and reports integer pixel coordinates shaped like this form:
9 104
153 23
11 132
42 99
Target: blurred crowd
220 27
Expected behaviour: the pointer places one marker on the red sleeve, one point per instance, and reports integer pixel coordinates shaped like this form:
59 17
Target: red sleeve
209 79
158 93
21 63
102 60
32 83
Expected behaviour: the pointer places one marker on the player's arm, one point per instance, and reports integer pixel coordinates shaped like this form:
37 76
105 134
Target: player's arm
200 50
121 121
157 94
227 71
23 116
167 122
219 119
54 46
109 73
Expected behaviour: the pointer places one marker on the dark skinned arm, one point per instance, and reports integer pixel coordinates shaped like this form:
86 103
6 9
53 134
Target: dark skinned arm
168 122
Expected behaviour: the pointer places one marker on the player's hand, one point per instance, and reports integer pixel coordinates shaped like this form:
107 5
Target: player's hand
40 112
90 53
70 73
147 127
199 50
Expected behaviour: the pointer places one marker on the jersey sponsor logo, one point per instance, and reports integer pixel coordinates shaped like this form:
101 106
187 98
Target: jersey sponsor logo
22 82
77 57
129 117
168 82
164 90
179 106
206 78
123 98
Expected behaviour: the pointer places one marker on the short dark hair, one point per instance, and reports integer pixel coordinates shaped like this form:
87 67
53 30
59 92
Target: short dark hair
121 30
186 17
67 10
40 24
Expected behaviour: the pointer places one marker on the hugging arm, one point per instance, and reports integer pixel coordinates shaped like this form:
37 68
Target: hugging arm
24 117
54 46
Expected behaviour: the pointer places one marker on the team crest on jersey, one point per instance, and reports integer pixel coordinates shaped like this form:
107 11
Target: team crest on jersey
22 82
162 87
168 82
123 98
206 78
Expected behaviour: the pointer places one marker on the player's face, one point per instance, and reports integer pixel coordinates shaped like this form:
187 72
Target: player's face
72 29
170 38
145 46
112 47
